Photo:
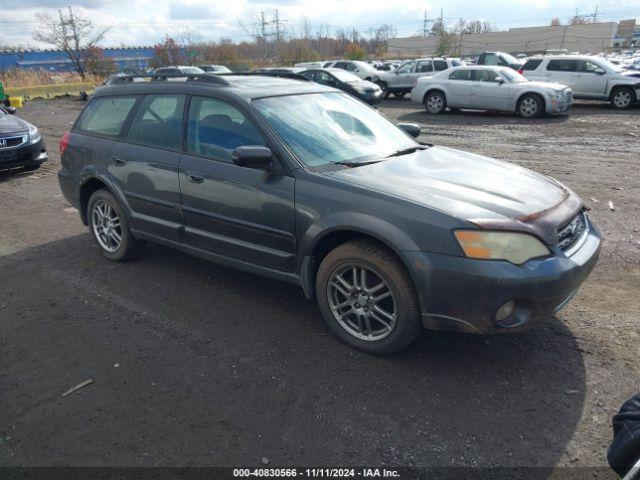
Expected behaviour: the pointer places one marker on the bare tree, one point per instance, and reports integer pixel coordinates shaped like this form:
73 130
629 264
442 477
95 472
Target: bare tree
70 33
189 41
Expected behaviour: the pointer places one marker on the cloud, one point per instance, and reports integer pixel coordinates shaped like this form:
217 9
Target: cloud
21 4
186 11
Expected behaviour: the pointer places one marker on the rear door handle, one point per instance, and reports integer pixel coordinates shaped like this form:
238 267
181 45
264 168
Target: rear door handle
194 178
119 161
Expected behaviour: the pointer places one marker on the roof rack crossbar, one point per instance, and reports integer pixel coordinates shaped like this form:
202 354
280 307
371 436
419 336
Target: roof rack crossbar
191 77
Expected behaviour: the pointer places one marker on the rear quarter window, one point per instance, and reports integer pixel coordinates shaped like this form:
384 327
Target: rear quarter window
532 64
460 75
106 115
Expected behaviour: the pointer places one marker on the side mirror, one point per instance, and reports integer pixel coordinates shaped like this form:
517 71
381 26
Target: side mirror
600 72
252 156
499 80
12 110
412 129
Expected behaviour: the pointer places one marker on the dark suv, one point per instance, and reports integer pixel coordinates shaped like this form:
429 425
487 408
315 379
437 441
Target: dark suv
303 183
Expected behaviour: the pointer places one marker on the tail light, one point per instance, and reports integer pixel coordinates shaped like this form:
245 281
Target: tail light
521 71
64 142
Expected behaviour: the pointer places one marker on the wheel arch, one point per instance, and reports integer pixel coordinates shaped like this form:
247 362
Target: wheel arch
90 181
531 92
435 89
319 241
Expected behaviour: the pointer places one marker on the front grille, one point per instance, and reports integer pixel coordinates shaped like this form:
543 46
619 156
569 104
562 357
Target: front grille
570 233
13 141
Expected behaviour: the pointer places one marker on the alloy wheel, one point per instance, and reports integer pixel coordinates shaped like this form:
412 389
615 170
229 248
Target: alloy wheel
106 226
529 107
362 302
434 103
622 98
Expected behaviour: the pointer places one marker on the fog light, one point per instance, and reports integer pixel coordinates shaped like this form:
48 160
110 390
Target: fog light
505 310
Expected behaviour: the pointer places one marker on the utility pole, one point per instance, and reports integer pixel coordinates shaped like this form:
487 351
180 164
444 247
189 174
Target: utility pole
262 25
277 24
595 15
424 24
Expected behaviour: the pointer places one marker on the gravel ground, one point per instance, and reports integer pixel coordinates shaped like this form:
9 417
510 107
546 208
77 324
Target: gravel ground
195 364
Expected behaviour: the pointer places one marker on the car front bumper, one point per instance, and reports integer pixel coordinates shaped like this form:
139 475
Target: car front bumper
559 107
23 155
463 294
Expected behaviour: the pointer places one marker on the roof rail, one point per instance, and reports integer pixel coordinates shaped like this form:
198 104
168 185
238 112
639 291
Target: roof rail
191 77
268 73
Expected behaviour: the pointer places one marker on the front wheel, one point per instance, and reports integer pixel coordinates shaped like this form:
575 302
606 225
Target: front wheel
435 102
110 228
399 94
530 106
367 298
623 98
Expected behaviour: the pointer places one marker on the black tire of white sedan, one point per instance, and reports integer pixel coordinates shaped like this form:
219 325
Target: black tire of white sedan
110 229
623 98
435 102
530 105
367 298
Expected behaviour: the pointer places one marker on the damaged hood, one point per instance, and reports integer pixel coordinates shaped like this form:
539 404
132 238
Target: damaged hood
465 185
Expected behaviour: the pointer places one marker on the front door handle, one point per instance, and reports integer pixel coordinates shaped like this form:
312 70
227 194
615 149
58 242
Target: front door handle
119 161
194 178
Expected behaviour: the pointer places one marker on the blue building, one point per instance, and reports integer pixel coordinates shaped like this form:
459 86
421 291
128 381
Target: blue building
127 58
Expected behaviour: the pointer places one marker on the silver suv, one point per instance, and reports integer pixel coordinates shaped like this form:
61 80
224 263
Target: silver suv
402 79
589 77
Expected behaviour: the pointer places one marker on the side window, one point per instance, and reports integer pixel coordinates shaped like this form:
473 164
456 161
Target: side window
351 67
460 75
424 66
327 65
342 65
324 78
106 115
491 59
486 76
590 67
442 65
310 74
406 68
562 65
532 64
216 127
158 122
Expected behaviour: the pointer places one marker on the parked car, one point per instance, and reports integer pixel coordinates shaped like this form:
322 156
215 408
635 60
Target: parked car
499 59
214 69
490 88
361 69
21 143
304 183
589 77
309 65
366 91
400 81
178 69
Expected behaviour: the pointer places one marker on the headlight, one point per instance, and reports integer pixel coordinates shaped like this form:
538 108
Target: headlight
511 246
34 134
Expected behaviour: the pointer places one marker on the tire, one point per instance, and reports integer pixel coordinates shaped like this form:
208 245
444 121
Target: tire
385 89
530 105
128 247
31 167
622 98
379 327
435 102
399 94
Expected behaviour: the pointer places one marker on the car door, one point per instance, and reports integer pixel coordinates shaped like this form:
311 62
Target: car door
563 71
592 79
403 77
146 163
423 68
487 92
459 87
238 212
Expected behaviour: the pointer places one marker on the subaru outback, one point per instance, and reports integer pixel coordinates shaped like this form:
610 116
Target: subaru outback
303 183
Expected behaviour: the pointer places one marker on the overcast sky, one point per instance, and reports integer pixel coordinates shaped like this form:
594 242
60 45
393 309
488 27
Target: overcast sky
144 22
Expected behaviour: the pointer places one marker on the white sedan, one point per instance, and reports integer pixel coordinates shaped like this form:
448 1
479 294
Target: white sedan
490 88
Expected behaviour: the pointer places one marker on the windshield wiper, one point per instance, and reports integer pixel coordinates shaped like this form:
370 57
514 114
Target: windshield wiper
408 150
355 164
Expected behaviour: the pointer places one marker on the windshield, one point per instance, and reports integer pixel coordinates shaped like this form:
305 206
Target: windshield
513 76
510 59
345 76
191 70
324 128
606 64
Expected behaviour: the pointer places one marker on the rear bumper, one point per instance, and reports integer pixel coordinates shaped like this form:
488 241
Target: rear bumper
69 187
463 294
24 155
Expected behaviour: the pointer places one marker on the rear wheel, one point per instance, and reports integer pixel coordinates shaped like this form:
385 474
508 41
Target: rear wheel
110 228
530 106
622 98
367 298
435 102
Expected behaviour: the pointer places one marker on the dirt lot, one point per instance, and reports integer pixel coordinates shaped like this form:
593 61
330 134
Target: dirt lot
198 364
